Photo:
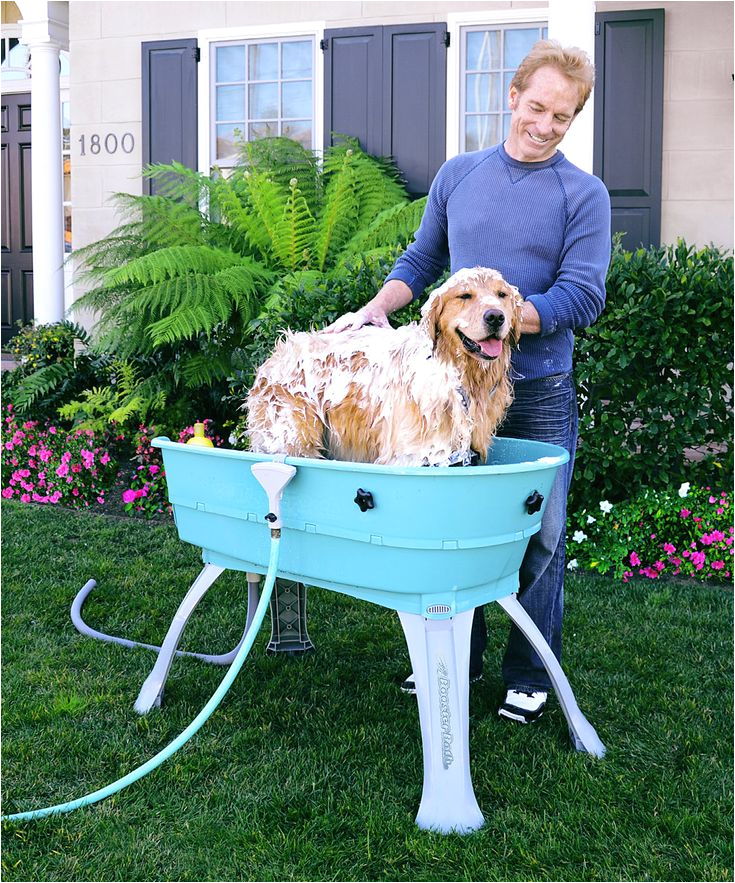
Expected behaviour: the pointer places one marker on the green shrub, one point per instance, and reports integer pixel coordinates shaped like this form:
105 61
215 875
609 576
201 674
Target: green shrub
654 376
54 364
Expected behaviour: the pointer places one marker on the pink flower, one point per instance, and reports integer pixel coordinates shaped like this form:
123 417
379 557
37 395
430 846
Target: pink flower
153 469
128 496
7 492
713 500
62 470
718 565
101 498
105 459
634 559
669 549
25 498
55 497
45 455
685 513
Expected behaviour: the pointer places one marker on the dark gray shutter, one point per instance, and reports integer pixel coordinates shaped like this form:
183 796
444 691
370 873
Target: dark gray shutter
629 57
414 100
386 86
353 87
169 75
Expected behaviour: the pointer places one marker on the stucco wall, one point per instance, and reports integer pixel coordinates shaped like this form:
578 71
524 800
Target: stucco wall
105 96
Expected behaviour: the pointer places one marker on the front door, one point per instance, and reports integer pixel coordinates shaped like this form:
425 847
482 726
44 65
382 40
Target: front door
17 231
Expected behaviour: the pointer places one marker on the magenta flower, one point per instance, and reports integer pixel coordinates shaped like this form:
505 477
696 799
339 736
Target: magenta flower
634 559
718 565
669 549
129 496
685 513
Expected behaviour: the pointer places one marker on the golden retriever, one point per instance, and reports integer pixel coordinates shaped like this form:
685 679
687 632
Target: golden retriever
427 394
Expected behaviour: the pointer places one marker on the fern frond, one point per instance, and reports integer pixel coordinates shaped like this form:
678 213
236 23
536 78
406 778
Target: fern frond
396 225
40 384
339 216
202 369
170 263
283 159
295 236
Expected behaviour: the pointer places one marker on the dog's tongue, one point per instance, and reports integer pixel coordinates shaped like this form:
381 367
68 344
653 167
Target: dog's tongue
491 347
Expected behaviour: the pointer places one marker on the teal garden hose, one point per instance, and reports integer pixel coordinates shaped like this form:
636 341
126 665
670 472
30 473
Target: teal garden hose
193 727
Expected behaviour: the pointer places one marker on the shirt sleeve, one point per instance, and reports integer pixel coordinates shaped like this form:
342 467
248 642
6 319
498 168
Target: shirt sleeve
577 297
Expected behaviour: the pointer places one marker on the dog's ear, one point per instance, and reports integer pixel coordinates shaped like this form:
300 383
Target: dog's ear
432 310
515 325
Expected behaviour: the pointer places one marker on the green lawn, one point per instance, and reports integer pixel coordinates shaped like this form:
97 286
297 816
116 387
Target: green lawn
311 768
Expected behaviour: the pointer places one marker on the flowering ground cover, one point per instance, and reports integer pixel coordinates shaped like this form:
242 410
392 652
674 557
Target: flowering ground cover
683 533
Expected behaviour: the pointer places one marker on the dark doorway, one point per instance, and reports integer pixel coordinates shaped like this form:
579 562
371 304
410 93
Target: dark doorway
17 230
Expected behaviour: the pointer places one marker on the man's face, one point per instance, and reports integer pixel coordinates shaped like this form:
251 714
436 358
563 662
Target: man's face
541 115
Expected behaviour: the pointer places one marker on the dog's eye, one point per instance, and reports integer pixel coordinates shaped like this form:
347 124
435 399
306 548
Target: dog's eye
502 293
466 296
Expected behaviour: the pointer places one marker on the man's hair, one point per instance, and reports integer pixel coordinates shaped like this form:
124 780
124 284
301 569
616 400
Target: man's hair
574 63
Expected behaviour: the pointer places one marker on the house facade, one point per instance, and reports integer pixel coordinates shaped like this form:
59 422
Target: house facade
113 86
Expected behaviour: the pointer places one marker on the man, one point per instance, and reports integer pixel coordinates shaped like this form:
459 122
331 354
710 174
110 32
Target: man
522 208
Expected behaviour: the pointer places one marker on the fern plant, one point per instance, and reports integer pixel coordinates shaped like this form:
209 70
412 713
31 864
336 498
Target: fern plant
192 271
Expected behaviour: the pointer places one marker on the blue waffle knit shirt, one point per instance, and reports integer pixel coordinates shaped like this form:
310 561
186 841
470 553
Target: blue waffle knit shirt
544 225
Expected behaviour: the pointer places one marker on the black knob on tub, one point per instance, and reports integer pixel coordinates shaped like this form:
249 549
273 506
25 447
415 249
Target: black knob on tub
271 516
364 500
534 502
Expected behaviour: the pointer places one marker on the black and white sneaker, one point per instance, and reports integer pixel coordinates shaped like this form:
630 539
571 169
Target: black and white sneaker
523 706
409 685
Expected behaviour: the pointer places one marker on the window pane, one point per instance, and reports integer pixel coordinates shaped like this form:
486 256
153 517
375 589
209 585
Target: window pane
226 137
263 61
506 125
230 102
263 101
263 130
482 92
482 131
299 130
483 50
230 64
518 42
65 126
296 98
296 60
67 229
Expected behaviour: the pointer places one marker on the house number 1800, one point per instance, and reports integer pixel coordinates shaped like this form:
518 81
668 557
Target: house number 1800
110 143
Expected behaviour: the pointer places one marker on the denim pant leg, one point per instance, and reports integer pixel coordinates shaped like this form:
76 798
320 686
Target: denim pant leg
542 410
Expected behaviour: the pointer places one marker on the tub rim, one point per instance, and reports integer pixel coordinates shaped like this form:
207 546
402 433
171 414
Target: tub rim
555 456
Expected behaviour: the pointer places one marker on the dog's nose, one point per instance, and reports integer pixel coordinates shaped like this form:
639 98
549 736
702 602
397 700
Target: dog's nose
494 319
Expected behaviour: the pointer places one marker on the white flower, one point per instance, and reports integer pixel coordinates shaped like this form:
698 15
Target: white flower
573 564
684 489
591 519
579 536
605 506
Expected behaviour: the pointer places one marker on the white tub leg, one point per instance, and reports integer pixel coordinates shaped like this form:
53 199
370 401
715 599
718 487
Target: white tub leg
152 690
581 731
440 655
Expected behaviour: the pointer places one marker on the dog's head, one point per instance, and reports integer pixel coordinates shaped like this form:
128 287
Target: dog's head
475 311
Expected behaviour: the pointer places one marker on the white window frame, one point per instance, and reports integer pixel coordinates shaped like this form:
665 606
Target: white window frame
207 38
455 23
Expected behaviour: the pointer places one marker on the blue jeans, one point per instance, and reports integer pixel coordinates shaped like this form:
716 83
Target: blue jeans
542 410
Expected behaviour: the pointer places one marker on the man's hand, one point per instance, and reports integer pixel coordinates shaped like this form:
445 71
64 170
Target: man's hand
368 315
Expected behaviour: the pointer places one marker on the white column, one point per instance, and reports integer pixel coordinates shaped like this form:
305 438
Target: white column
47 184
45 30
572 23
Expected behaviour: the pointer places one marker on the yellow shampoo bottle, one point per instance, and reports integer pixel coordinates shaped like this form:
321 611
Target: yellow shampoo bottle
199 438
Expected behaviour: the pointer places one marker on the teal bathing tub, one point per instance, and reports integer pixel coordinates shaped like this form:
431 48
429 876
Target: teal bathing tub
435 541
430 543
